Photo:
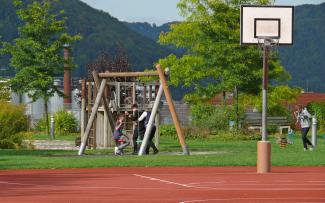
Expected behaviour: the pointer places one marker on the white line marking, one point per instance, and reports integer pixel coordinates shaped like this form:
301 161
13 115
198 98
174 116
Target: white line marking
23 184
233 199
168 182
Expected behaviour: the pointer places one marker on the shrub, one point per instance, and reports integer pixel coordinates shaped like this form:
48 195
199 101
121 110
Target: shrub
12 121
211 119
318 108
65 123
167 131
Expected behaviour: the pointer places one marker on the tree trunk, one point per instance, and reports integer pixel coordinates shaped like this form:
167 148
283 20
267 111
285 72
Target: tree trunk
47 118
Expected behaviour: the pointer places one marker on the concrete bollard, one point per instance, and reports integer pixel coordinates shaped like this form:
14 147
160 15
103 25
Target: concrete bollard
314 131
52 127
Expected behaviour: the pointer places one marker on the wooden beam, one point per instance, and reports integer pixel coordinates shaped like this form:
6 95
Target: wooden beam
105 102
172 110
128 74
92 116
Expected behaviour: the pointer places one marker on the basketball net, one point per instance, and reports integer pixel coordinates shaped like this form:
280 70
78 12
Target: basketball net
270 43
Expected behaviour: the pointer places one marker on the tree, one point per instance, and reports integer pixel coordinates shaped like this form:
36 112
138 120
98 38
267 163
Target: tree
4 90
215 61
36 55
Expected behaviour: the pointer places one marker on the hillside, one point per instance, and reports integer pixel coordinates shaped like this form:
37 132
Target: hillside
305 60
101 33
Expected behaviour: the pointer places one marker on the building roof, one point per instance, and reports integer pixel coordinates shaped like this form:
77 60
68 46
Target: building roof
308 97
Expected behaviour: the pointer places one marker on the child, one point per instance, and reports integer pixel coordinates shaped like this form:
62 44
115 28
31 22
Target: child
121 140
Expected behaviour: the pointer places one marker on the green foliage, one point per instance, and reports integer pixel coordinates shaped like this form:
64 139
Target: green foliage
318 109
210 119
36 54
278 97
167 131
215 61
65 123
12 121
4 90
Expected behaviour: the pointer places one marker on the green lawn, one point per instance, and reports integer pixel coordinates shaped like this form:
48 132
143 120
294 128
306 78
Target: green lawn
223 153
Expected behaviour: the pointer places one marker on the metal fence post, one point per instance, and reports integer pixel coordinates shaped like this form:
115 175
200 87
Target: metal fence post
314 131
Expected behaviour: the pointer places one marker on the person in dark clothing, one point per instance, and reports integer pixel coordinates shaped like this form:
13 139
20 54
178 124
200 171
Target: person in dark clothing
146 116
139 127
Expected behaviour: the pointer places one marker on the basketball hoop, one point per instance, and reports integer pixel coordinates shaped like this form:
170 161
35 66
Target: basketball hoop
271 43
268 27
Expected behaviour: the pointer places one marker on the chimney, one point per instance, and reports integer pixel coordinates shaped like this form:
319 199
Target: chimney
67 77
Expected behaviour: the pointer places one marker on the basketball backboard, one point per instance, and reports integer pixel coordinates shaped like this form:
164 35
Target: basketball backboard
260 22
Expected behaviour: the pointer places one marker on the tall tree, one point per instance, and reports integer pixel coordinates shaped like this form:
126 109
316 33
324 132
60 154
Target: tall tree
36 55
215 61
4 90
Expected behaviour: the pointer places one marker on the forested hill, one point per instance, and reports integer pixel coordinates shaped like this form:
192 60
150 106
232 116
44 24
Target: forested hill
101 33
305 60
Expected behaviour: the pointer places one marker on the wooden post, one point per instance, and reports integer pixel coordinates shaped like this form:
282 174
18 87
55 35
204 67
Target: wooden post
92 116
157 135
172 110
150 93
83 108
144 95
134 94
95 121
105 102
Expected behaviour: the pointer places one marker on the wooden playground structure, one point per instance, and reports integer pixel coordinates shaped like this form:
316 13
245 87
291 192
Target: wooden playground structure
105 97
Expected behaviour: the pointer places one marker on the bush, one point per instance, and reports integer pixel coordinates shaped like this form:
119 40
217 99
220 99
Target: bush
167 131
12 121
211 119
65 123
318 108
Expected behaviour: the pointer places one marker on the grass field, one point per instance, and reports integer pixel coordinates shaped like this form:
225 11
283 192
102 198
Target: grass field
217 153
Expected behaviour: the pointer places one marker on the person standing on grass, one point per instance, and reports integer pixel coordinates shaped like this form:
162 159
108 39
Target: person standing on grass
303 118
121 140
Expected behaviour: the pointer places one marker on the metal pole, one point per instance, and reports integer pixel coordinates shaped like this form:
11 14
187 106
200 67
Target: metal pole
151 121
314 132
264 146
264 91
52 127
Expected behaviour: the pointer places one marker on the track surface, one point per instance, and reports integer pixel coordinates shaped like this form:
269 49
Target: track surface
172 184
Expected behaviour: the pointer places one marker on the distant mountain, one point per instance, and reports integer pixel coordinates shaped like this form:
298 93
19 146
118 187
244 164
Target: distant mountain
101 33
305 60
152 31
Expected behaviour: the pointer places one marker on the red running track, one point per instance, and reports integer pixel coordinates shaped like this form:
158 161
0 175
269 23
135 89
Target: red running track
172 184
